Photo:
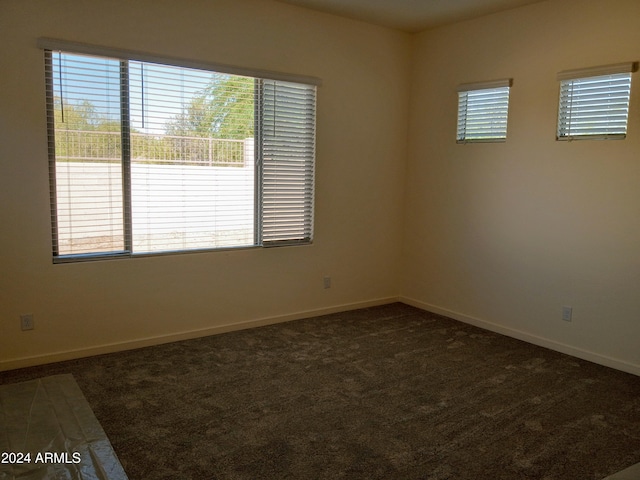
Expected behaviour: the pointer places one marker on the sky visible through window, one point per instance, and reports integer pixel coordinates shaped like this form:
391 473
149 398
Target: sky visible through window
150 88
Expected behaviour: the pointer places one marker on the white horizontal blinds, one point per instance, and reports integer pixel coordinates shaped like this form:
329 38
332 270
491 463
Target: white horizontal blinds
288 155
192 158
594 106
149 157
85 154
483 111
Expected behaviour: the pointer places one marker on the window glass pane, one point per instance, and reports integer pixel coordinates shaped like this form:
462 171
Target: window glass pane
88 173
192 158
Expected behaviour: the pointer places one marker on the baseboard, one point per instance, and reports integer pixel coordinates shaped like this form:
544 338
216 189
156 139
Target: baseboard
175 337
528 337
160 339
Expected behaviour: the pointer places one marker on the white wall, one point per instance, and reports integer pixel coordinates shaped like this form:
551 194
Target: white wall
362 120
504 235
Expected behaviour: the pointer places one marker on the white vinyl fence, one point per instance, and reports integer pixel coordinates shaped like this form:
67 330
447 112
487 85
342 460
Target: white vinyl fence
174 207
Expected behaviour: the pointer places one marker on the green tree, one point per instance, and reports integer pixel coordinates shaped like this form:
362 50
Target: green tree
82 116
224 109
82 134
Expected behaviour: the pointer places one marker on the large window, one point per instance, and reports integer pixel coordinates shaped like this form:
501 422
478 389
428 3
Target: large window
483 110
150 156
594 102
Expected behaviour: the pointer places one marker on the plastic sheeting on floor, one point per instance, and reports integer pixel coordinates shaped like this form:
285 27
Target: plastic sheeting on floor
48 431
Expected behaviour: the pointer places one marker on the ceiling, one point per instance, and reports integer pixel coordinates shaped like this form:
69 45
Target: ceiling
410 15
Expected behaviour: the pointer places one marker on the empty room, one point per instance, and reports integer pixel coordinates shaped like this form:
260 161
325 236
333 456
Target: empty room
248 239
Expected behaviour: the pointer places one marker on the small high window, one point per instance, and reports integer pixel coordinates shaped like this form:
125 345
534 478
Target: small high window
482 111
594 102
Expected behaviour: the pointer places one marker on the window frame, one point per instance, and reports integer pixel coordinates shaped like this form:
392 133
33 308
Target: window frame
500 98
262 78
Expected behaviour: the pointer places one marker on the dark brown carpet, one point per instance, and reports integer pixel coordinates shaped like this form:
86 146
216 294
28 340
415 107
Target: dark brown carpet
390 392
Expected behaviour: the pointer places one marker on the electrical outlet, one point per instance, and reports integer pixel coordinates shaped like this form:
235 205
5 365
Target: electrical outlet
327 282
566 313
26 321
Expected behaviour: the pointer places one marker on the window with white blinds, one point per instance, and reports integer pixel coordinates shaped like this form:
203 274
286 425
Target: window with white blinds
150 157
594 103
483 110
